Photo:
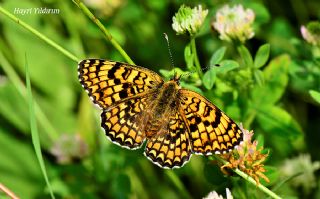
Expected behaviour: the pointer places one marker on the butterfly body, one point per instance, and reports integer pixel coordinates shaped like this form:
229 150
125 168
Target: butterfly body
138 106
162 106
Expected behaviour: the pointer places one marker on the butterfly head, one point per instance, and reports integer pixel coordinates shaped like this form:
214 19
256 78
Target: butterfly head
176 78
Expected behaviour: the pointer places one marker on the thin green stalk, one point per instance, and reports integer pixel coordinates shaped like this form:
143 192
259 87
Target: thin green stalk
177 182
106 33
137 186
196 59
41 117
38 34
34 131
68 18
251 180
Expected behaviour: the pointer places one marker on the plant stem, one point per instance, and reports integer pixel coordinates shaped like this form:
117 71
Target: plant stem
8 192
196 59
177 182
38 34
251 180
106 33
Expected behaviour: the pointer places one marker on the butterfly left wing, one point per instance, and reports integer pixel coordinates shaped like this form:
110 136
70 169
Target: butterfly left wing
122 122
170 149
109 83
211 130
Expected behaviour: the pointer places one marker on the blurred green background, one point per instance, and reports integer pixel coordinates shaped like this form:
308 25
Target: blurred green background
82 163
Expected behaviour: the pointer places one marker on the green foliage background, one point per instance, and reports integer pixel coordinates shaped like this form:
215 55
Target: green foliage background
274 100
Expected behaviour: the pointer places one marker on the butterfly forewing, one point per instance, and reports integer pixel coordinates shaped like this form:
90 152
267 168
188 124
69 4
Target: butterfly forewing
109 82
211 131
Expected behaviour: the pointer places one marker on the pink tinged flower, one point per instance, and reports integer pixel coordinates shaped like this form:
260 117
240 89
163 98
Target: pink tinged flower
69 147
311 33
247 157
234 23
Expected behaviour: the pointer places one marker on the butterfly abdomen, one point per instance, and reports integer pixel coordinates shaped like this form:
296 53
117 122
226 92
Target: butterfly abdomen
162 108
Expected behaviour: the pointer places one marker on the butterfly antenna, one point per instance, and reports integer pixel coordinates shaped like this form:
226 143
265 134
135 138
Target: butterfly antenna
170 54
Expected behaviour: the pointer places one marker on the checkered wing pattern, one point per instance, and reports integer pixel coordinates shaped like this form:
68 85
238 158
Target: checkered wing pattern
122 125
109 82
171 149
210 130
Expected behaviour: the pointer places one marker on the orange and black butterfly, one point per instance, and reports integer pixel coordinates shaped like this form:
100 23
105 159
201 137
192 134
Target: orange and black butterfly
138 106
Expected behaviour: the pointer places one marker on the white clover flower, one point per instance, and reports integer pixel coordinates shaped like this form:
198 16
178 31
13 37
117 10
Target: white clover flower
311 33
234 23
215 195
188 20
303 165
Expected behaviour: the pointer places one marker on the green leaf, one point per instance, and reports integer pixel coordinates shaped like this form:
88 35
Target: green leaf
262 56
169 73
315 95
209 78
34 131
226 66
188 57
277 121
217 56
166 73
258 75
246 56
276 80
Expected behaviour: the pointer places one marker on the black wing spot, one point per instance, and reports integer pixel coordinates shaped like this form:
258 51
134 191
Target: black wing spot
123 94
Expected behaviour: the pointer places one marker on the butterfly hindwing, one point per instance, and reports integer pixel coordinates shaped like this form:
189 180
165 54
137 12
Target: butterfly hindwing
108 82
172 148
211 131
121 123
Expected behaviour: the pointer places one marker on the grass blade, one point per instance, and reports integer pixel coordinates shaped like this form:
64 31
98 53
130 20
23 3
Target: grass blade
34 130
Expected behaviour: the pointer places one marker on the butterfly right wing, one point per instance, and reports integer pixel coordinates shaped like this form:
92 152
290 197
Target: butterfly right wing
210 130
109 83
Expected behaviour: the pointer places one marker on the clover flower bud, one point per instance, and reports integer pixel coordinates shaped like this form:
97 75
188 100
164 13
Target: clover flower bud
188 20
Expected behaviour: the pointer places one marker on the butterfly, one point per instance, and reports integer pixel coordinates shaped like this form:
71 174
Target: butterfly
139 106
